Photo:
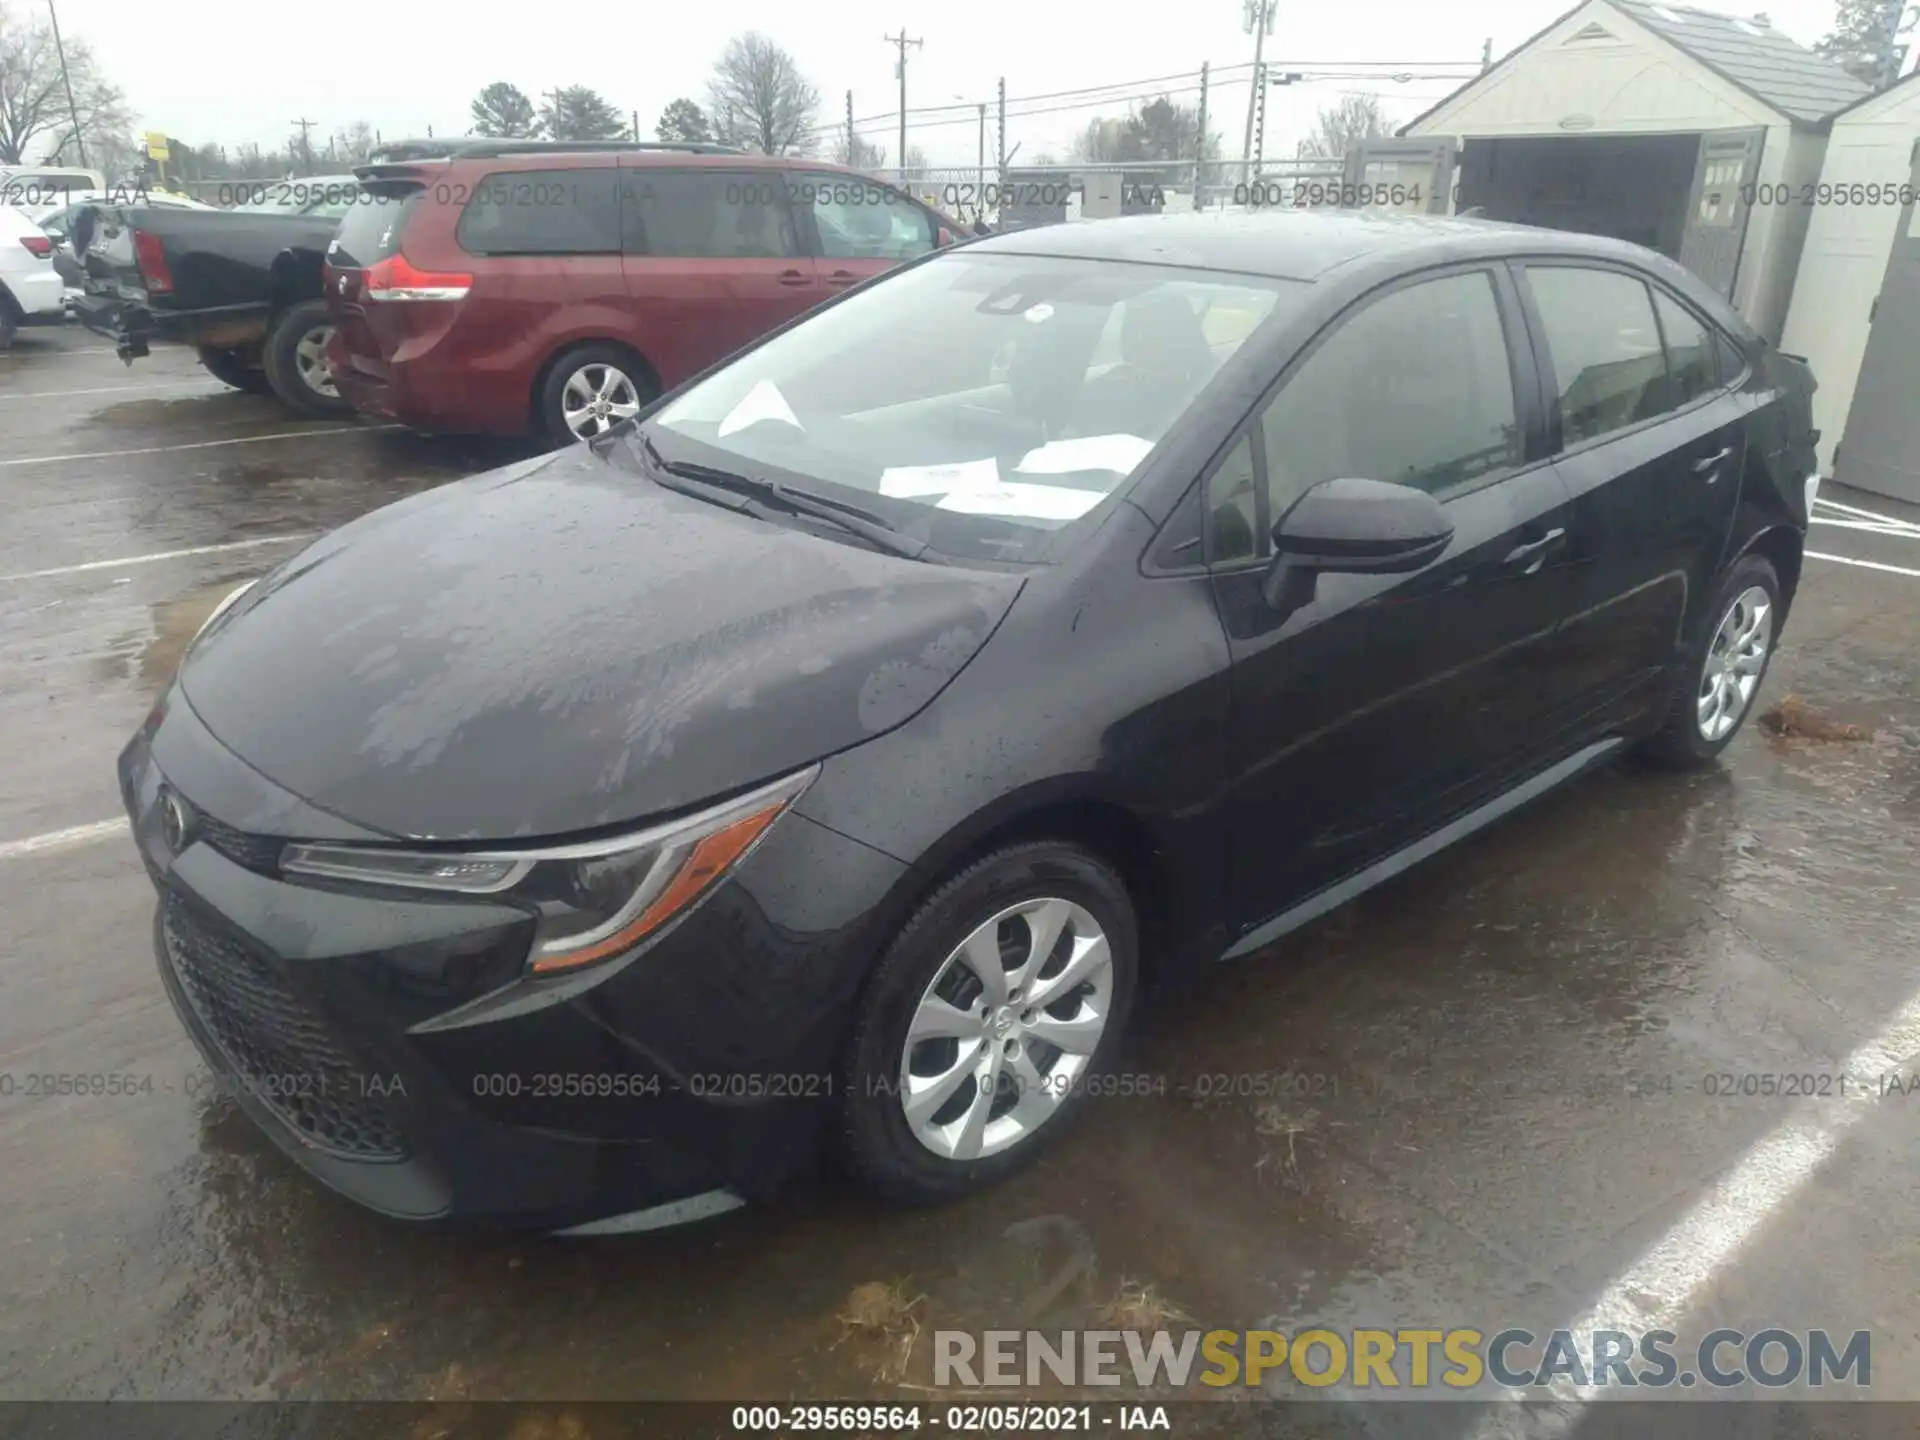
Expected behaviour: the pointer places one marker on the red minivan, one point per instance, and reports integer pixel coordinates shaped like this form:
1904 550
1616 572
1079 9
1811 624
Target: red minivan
554 288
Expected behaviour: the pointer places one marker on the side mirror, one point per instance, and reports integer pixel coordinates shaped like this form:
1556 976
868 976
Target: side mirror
1354 527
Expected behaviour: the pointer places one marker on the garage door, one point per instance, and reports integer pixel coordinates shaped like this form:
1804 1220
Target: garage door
1880 449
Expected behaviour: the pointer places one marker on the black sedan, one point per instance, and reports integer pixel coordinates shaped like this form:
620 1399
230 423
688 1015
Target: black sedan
819 766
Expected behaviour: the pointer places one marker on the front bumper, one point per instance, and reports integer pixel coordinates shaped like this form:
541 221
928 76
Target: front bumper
395 1049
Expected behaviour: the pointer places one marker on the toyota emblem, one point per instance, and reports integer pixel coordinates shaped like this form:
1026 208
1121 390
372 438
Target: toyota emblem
176 821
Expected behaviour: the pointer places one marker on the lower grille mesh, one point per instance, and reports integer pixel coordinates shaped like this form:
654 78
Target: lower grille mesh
276 1042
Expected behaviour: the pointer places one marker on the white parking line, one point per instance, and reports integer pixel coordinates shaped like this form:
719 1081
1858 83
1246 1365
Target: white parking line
1863 564
68 839
201 444
112 390
157 555
1858 513
1680 1270
1868 527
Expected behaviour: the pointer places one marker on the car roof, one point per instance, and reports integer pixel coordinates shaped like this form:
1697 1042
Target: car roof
1289 244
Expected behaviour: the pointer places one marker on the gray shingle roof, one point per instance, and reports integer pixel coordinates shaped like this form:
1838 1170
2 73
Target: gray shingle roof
1759 59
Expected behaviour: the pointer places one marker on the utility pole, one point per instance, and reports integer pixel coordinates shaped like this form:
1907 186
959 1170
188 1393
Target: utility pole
1259 118
982 160
1257 15
636 127
306 149
853 151
1200 147
1002 172
901 42
73 110
1486 55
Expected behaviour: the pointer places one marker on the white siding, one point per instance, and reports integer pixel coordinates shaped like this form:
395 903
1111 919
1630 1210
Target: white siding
1632 82
1844 259
1770 256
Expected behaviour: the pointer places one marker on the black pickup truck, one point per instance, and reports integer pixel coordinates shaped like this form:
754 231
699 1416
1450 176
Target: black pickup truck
242 286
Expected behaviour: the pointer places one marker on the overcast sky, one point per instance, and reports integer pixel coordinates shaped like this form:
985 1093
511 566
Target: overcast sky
235 71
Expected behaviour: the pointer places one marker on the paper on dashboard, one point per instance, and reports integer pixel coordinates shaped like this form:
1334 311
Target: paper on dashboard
1022 502
763 402
1118 453
912 482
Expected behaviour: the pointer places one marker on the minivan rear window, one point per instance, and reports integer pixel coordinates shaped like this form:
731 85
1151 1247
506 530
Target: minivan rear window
370 231
543 212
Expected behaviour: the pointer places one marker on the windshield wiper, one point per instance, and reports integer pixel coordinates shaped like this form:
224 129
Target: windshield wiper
851 518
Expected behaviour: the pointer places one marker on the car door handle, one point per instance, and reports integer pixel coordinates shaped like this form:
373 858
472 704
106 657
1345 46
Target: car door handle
1534 550
1701 467
794 277
843 277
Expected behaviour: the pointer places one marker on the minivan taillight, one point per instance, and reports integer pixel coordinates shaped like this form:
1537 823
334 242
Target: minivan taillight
397 278
151 256
40 245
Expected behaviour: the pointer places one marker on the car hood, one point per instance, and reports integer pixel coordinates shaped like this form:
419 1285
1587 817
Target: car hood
565 645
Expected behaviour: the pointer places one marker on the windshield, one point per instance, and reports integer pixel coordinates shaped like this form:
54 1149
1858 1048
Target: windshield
979 402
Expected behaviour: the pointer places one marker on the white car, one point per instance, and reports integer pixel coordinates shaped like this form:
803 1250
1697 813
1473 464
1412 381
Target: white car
31 291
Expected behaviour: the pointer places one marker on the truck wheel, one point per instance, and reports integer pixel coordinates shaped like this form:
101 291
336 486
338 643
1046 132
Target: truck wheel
296 360
236 368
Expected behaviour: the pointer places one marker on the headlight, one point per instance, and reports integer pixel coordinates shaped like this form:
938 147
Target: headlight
594 900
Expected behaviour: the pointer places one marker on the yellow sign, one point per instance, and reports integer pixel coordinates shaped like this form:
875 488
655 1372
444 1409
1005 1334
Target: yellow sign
156 146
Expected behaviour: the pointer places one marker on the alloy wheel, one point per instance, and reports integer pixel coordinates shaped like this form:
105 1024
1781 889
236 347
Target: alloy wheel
310 359
1006 1029
596 398
1731 671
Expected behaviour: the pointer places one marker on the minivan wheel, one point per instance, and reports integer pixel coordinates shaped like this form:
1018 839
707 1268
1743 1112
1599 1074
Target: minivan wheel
589 391
1724 668
1003 996
295 357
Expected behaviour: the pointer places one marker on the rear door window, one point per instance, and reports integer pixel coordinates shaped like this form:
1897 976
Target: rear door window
709 214
1693 370
370 231
1605 345
543 212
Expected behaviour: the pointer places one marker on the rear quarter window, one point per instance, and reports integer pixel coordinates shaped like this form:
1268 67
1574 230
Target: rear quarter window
543 212
371 230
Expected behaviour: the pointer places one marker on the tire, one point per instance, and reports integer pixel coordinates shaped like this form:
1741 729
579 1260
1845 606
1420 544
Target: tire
1059 883
578 379
1694 733
292 364
232 367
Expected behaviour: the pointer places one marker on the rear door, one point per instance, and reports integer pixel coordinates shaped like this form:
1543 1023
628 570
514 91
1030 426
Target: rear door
1390 703
1411 176
1880 448
368 234
1651 437
713 260
1718 212
858 228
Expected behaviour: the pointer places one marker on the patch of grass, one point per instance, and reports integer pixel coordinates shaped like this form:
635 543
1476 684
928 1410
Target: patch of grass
883 1320
1140 1307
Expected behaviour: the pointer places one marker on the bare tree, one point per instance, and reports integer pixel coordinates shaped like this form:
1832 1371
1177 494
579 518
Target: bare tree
1866 39
863 154
1341 126
758 99
33 98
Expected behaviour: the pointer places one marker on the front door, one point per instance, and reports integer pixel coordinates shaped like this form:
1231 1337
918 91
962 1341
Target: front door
1717 211
714 260
1880 447
1652 441
1388 703
858 228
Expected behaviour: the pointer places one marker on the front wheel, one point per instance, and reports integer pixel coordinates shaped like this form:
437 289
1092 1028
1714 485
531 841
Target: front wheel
1003 997
296 361
1723 668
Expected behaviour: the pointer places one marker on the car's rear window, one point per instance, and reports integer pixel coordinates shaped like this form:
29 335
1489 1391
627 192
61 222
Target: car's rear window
543 212
371 230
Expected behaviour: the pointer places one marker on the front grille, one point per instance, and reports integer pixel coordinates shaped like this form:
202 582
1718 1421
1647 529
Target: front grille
275 1041
260 853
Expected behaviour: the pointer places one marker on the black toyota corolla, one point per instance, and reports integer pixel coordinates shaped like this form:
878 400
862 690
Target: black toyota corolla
819 766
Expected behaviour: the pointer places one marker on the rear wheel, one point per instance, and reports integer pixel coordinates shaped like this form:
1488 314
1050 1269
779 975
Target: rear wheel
296 360
1723 669
589 391
236 368
1003 996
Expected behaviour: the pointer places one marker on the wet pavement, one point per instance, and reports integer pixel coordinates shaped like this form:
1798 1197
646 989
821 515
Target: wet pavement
1478 1097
